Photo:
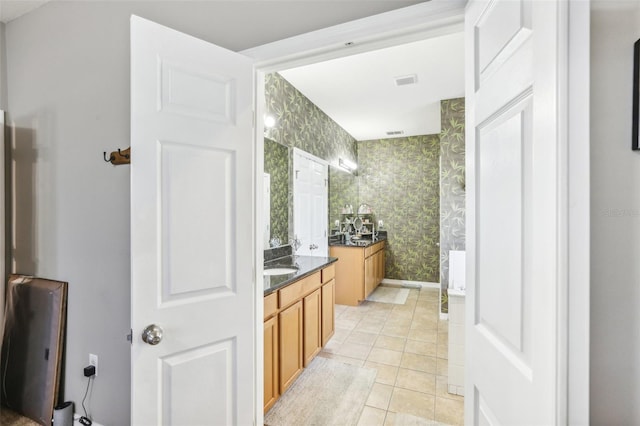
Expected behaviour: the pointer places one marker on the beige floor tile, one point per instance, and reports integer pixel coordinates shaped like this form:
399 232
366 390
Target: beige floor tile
346 360
418 362
429 336
386 374
420 348
398 321
332 346
385 356
416 380
404 311
422 323
372 417
379 396
339 309
353 350
442 367
361 338
390 419
346 324
443 326
449 411
371 325
396 331
339 335
442 386
390 342
412 402
352 315
443 337
442 350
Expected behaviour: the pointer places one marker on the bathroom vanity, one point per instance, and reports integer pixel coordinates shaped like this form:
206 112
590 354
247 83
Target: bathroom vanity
359 270
299 318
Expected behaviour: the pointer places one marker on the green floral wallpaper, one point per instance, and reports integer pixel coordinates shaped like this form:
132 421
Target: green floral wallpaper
343 189
276 163
301 124
399 179
452 186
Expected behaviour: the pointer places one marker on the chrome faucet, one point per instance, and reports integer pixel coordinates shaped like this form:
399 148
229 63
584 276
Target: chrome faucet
295 244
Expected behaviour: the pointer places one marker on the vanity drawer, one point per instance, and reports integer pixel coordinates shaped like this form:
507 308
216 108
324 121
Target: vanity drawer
328 273
295 291
311 283
289 294
368 251
270 305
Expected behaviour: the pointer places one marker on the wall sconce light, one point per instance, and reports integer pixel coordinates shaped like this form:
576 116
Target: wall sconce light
269 121
347 164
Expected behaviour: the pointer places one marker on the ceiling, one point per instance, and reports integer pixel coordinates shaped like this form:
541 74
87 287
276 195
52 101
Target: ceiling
12 9
359 91
360 94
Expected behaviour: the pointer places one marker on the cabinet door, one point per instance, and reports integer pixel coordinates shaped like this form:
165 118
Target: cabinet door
271 384
369 279
328 311
312 334
290 328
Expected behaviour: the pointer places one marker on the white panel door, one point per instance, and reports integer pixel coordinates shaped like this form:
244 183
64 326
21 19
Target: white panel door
192 237
515 241
310 203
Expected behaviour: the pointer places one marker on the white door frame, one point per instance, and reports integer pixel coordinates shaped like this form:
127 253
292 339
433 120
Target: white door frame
440 17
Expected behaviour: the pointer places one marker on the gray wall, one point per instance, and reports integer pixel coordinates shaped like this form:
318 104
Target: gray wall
67 74
615 218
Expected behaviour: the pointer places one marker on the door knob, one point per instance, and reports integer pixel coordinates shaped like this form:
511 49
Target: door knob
313 246
152 334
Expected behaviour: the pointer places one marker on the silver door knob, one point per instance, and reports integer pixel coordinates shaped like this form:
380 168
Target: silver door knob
152 334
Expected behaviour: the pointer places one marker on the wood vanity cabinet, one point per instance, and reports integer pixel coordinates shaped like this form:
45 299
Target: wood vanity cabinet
290 327
299 319
271 363
359 271
312 311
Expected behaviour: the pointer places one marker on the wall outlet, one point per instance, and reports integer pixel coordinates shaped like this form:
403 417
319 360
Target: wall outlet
93 360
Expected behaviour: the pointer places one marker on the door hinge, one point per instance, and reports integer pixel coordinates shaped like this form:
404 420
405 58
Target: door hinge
130 336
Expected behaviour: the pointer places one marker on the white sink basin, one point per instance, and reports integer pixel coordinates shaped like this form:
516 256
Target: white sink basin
280 271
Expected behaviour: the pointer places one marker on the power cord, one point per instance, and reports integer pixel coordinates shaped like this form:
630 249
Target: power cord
86 420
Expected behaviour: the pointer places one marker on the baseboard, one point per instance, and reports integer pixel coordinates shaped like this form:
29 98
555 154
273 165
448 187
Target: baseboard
444 316
406 283
76 421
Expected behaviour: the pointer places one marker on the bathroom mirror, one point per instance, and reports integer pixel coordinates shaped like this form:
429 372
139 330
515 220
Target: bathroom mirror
343 189
278 198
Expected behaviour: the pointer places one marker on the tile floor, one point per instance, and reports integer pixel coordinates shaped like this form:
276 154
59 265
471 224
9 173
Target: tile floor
407 345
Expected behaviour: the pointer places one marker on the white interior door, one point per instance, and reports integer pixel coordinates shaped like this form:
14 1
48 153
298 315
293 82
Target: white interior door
310 203
192 232
515 237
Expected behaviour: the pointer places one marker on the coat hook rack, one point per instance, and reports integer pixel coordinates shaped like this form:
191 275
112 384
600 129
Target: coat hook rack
118 157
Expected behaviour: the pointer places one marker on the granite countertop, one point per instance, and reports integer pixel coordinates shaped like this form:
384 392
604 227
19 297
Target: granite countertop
306 265
359 243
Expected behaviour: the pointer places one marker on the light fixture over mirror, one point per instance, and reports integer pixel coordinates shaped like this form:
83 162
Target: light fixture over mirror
347 164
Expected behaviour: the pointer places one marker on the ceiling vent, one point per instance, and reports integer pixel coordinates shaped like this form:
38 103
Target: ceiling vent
405 80
395 133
